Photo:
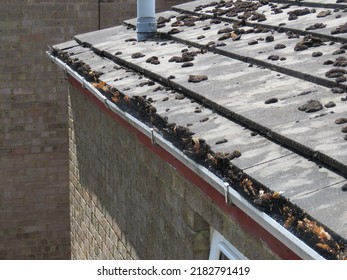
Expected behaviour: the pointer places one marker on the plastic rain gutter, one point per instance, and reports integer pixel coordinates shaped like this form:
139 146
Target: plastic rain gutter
146 24
231 196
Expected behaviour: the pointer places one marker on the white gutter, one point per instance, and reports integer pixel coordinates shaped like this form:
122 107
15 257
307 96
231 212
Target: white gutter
146 25
231 196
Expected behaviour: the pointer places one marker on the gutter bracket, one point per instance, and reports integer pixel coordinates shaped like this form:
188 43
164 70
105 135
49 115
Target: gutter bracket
84 83
106 104
154 143
65 69
227 193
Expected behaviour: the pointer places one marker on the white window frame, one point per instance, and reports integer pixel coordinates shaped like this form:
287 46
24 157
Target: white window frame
220 245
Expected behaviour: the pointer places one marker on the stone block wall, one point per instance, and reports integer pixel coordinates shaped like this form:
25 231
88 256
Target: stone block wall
128 203
34 201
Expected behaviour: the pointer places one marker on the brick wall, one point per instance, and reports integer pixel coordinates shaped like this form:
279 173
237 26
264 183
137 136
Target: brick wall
127 203
34 207
116 11
34 204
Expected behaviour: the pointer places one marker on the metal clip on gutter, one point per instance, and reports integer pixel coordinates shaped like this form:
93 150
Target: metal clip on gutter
226 193
231 196
154 143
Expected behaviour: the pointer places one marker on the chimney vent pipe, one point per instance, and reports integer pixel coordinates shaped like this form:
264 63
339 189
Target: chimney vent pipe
146 25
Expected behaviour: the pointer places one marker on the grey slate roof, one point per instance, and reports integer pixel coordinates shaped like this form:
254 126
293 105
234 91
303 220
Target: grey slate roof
259 72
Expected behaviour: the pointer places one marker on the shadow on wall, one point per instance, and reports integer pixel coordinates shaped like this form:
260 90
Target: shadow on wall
126 203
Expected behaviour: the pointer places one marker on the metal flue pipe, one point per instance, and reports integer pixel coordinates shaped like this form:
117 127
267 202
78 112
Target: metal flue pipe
146 26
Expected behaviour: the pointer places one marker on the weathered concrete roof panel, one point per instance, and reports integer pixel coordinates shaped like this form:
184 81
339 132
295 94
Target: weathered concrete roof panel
327 204
226 85
294 176
270 101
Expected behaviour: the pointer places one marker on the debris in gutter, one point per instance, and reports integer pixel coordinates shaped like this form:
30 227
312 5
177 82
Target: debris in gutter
237 153
311 226
344 129
311 106
235 36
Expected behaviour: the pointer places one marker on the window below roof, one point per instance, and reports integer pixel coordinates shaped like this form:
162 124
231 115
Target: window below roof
221 249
